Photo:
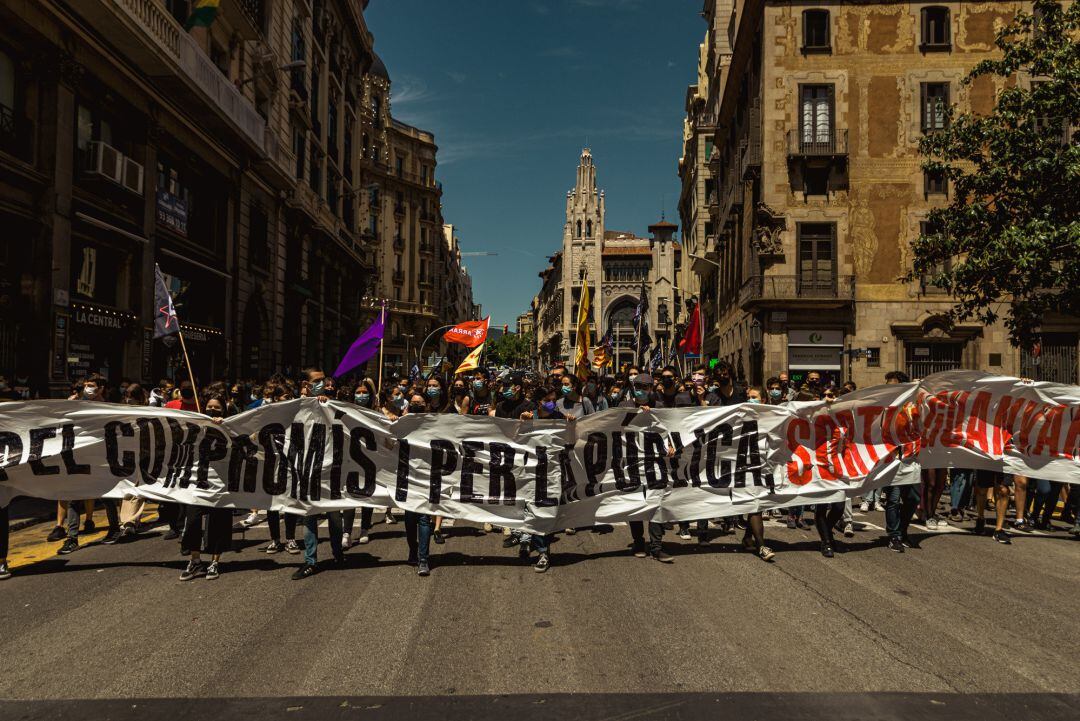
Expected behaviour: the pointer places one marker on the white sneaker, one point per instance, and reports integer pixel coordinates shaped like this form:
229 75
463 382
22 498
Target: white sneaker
346 542
250 521
849 530
390 518
685 535
879 506
364 538
864 506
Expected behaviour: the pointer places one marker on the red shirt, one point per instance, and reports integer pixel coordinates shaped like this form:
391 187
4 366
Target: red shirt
182 405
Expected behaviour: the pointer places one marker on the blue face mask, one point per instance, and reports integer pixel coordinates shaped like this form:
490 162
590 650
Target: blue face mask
753 400
548 406
566 390
433 392
640 395
478 385
362 398
508 393
775 393
317 388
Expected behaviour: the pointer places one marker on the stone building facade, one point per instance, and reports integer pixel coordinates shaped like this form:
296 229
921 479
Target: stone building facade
815 188
616 264
229 156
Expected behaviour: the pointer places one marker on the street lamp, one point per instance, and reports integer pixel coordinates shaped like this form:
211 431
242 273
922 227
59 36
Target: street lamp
755 334
294 65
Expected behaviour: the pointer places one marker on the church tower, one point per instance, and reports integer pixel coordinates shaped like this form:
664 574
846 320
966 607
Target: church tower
583 242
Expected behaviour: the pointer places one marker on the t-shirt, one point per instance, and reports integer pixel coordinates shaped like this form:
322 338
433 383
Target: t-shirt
479 406
181 404
513 408
577 409
738 395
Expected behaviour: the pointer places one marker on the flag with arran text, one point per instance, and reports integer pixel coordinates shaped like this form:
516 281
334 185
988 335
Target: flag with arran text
165 320
306 457
470 334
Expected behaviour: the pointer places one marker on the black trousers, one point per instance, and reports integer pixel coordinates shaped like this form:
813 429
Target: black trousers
4 531
826 516
218 530
173 514
273 520
656 535
348 518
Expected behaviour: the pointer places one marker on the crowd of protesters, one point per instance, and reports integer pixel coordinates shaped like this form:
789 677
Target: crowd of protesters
526 395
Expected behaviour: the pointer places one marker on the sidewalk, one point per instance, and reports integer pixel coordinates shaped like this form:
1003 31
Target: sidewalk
24 512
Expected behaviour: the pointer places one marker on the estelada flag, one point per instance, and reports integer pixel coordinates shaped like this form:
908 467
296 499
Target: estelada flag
471 362
470 334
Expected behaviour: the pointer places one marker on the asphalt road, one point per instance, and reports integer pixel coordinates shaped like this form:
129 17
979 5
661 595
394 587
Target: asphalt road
959 628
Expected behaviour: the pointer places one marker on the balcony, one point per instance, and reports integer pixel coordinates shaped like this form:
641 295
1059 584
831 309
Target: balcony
819 145
16 134
817 291
426 246
247 17
399 276
427 281
399 242
147 34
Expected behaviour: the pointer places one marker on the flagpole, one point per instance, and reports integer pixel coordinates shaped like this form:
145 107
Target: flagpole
382 343
187 362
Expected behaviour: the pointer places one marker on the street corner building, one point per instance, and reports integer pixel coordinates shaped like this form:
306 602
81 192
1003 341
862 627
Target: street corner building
802 189
253 157
616 265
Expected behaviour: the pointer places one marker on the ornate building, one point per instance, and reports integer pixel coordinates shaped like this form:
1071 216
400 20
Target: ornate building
802 140
230 156
615 264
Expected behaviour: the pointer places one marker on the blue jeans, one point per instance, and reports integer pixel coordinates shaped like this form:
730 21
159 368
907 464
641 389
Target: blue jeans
959 482
873 497
311 536
418 534
900 504
540 542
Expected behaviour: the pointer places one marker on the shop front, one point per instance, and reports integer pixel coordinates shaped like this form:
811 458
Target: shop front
96 340
816 350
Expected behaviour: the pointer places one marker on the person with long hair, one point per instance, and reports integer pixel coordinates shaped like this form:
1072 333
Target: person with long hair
364 396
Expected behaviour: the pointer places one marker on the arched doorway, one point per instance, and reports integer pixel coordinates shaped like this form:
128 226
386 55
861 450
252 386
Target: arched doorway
255 360
620 322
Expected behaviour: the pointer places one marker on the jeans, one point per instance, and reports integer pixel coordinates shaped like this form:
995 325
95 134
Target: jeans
311 536
418 534
959 486
73 516
1046 498
656 535
348 518
541 542
900 505
795 511
847 517
873 497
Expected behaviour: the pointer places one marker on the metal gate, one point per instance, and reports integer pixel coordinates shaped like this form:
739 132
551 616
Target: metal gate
1059 361
926 358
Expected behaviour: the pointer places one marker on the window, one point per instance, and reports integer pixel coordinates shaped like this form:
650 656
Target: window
399 166
816 180
331 131
935 28
815 30
258 236
316 169
588 228
376 109
926 358
578 234
934 103
817 259
816 105
935 183
927 279
873 357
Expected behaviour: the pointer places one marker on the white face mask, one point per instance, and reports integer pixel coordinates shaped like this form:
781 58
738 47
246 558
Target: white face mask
89 391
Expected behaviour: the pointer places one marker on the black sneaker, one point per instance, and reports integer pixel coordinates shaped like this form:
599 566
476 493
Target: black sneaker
127 533
826 550
58 533
292 547
171 535
193 570
662 557
895 544
89 526
412 560
980 526
212 571
5 572
305 571
70 546
438 537
511 541
272 547
909 542
112 536
423 569
639 551
1002 537
542 564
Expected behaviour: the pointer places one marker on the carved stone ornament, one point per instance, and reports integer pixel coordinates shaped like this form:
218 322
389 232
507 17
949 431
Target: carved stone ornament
768 232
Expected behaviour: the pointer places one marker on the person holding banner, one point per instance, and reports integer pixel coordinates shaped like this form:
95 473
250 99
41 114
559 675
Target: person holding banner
364 396
644 399
218 537
418 525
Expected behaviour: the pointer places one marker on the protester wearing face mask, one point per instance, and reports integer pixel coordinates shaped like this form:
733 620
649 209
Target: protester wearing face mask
644 400
435 397
363 396
94 389
394 403
186 401
572 405
481 402
218 536
418 526
723 391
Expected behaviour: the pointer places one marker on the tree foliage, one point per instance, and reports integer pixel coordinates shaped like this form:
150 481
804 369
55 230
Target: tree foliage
510 349
1008 243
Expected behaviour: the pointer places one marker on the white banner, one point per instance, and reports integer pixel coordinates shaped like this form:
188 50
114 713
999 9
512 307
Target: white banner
622 464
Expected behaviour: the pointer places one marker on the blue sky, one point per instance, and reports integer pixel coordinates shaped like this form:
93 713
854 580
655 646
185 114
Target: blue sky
513 89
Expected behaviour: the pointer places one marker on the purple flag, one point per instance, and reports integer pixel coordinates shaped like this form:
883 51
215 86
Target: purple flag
362 348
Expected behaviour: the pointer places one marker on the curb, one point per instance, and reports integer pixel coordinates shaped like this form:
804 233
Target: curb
27 522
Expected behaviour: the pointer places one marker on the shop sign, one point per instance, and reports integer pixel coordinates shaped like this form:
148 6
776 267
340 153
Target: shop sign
172 212
814 358
830 337
111 321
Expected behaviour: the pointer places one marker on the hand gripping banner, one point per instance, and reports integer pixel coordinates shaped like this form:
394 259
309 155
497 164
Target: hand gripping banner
304 457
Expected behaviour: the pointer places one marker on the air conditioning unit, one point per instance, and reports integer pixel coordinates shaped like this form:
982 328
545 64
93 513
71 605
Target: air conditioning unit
133 176
105 160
